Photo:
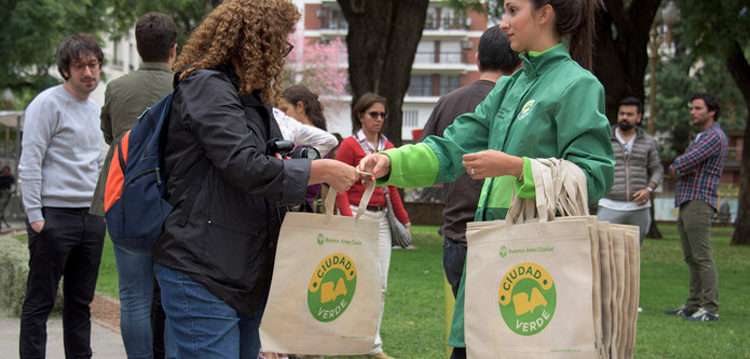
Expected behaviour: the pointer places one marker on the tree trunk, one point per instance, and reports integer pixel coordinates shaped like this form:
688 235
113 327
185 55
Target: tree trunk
620 57
382 41
740 70
620 42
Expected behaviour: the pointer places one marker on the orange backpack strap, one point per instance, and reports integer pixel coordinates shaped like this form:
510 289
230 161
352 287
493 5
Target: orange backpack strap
116 175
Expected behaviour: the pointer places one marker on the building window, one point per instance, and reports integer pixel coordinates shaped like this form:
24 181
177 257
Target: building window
411 119
431 21
420 85
333 19
425 53
450 52
448 83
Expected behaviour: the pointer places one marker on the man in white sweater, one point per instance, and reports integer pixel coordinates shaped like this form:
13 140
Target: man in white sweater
60 163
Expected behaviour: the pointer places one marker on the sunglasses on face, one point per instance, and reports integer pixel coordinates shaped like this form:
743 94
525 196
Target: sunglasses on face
375 114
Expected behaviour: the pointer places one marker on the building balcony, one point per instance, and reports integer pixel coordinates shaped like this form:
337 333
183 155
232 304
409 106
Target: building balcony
446 28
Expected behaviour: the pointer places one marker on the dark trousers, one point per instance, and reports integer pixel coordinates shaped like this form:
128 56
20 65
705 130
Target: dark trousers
69 245
454 258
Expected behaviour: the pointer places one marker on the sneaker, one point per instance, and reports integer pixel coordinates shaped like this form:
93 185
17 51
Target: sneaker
702 315
680 312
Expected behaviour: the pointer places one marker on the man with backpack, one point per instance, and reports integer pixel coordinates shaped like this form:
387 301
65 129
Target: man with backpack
61 158
125 99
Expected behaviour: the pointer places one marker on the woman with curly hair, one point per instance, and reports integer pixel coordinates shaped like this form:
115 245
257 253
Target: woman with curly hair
215 258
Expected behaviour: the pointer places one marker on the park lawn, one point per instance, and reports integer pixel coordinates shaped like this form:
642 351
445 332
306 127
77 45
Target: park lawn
414 321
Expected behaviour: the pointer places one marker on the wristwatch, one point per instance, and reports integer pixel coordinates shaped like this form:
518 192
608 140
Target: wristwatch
650 189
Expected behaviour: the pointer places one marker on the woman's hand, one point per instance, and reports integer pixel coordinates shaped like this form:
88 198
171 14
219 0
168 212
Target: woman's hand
492 163
339 175
375 163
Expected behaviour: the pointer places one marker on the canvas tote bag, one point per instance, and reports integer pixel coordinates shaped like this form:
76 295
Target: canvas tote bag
529 281
325 295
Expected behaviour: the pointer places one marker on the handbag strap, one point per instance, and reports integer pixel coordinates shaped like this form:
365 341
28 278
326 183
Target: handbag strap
331 200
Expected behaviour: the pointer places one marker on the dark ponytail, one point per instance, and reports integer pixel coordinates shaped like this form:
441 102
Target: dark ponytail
576 19
313 107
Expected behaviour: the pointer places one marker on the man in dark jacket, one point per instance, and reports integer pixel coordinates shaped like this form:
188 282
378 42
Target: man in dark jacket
638 170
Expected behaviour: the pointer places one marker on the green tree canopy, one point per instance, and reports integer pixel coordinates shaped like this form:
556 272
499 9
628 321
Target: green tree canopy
30 30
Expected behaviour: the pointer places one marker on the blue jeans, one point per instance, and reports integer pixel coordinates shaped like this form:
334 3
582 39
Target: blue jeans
201 325
135 272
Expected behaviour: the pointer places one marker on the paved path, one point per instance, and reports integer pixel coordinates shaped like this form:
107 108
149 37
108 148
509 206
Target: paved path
106 341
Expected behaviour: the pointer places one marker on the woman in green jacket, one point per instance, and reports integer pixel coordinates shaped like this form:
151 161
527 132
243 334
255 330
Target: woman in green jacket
552 107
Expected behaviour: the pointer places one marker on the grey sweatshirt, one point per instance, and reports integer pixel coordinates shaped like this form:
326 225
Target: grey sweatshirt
62 152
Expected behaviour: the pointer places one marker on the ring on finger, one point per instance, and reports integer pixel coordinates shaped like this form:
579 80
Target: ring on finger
473 172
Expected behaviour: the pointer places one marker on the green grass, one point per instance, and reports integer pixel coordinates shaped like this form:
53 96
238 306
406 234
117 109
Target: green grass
414 320
664 285
107 282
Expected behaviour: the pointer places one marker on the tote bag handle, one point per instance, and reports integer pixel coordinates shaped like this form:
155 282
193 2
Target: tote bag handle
331 200
560 186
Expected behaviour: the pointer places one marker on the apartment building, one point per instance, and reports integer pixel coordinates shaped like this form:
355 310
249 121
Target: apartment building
445 57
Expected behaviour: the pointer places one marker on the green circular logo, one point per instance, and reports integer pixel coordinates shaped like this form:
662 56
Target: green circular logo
527 298
331 287
503 251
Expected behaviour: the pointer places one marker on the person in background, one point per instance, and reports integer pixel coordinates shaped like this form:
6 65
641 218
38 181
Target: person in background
215 258
552 107
638 170
298 102
124 100
698 173
7 180
308 112
60 161
304 135
495 58
368 115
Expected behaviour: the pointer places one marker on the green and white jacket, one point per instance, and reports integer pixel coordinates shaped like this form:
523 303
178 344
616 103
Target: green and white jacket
552 107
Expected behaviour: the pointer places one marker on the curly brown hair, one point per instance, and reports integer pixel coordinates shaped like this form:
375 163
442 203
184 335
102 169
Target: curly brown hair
250 34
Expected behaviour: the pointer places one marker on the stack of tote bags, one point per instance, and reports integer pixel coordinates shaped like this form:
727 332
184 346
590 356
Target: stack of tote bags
325 295
540 286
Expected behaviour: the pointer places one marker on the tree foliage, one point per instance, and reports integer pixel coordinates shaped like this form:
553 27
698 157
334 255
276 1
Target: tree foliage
720 28
318 66
382 40
187 14
30 30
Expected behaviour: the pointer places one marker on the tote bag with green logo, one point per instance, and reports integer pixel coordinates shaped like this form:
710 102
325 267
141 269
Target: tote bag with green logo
529 280
325 295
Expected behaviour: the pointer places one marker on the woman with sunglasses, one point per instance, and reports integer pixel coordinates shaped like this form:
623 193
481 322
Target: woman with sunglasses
368 116
552 107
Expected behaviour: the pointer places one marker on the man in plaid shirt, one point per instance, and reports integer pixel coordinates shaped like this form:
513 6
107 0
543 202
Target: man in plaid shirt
698 172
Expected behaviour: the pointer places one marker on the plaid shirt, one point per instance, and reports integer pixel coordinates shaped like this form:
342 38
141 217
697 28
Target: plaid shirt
700 167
